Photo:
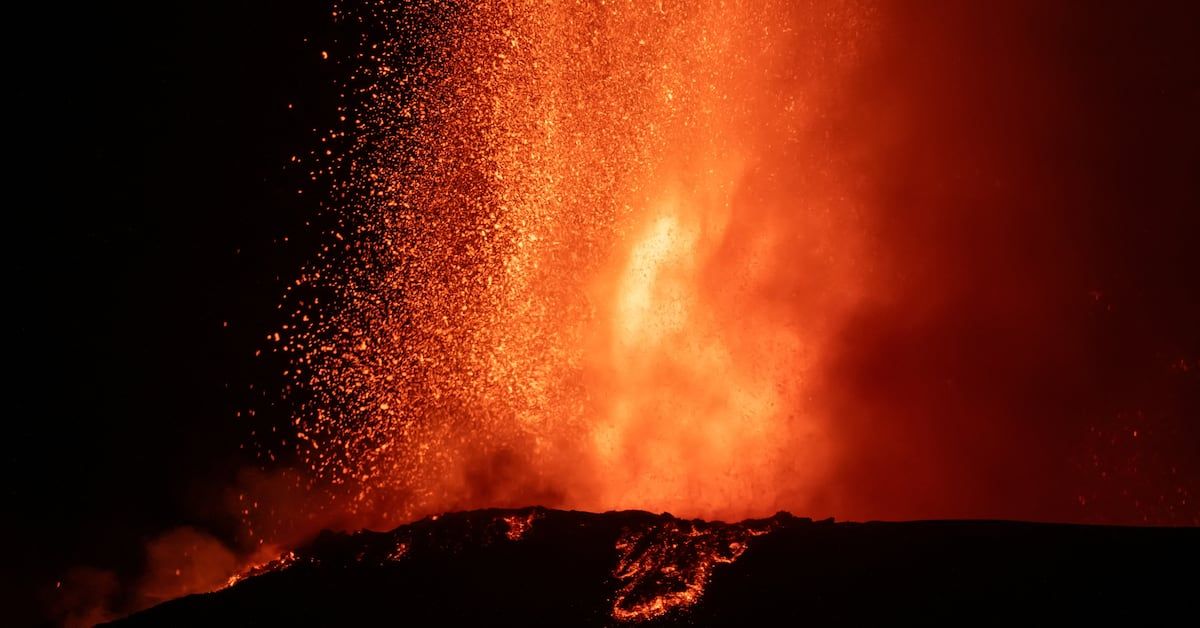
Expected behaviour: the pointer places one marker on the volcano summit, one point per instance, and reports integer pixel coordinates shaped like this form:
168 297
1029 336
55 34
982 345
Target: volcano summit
552 567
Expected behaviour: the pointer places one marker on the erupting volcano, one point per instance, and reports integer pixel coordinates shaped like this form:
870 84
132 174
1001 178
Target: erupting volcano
722 260
554 568
592 257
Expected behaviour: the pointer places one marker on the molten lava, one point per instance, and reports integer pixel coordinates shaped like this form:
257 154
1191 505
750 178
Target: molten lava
662 564
714 258
666 567
592 257
724 258
576 568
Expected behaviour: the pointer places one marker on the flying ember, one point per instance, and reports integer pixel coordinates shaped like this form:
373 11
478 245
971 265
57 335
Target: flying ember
591 256
560 309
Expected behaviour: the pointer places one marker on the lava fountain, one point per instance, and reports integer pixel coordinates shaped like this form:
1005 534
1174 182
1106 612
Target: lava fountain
590 256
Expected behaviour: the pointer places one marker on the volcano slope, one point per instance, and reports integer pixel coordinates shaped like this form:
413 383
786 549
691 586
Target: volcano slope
540 566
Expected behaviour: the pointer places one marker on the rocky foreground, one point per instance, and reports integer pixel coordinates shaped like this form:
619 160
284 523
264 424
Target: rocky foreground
539 566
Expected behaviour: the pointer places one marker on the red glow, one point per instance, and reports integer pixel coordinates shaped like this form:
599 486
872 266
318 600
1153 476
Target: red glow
603 251
722 259
714 259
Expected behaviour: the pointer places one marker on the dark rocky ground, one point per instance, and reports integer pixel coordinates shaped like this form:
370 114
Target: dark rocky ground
538 567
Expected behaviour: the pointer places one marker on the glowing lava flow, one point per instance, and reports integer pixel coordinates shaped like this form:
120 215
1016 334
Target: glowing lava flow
662 564
590 256
285 560
665 568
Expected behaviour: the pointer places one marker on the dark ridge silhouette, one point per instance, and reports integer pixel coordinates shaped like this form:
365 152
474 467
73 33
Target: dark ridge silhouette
538 566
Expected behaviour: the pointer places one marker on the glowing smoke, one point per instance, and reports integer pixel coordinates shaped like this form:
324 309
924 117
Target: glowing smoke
715 258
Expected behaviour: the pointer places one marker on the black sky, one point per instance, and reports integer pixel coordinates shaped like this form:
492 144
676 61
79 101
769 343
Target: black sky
147 206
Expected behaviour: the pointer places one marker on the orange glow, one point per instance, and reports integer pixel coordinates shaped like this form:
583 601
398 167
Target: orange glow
283 561
519 525
600 248
720 258
666 568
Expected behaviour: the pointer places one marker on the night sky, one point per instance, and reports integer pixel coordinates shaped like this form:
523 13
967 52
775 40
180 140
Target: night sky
150 203
148 207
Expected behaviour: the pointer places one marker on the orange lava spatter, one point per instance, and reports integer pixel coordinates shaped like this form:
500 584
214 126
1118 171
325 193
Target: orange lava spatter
665 568
590 255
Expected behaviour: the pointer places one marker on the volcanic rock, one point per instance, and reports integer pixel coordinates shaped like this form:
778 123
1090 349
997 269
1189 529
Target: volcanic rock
538 566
